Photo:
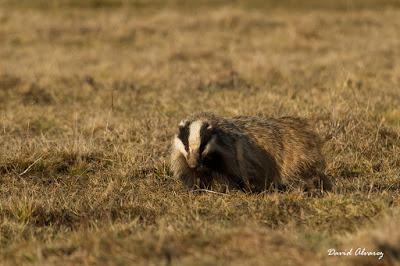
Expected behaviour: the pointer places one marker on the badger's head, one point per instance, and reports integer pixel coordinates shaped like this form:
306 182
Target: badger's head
197 142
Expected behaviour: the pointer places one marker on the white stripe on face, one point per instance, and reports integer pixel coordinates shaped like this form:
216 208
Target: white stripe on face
179 146
194 135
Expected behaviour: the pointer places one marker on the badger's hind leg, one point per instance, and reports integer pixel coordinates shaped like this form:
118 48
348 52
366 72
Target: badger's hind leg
316 182
322 182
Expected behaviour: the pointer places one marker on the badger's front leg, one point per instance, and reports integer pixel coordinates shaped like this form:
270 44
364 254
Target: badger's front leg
195 180
189 180
205 181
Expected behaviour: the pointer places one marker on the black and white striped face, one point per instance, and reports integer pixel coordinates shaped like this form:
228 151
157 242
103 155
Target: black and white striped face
195 141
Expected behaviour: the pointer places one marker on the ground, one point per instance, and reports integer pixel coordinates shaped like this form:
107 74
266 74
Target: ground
91 95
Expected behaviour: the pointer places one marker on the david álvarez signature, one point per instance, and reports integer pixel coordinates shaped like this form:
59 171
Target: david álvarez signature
355 252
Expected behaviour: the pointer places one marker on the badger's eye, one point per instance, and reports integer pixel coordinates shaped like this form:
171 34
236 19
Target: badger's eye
201 148
206 138
183 135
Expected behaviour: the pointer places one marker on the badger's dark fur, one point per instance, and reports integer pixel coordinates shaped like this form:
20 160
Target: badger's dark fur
249 153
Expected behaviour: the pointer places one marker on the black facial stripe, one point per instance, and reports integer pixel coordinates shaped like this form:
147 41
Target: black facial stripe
205 137
183 135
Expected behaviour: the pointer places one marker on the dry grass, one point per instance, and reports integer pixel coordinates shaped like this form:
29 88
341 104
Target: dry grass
89 100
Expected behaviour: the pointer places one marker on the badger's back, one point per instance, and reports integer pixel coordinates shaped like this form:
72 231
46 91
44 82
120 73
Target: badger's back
292 143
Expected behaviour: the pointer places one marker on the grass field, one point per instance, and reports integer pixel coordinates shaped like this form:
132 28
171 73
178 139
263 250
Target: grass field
90 98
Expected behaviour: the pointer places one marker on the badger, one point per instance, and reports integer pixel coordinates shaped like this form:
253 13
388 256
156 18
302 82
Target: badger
249 153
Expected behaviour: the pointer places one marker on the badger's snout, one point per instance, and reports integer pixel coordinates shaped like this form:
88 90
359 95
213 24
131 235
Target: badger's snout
193 160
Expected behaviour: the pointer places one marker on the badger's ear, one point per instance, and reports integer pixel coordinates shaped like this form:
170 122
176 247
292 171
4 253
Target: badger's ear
210 128
183 124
